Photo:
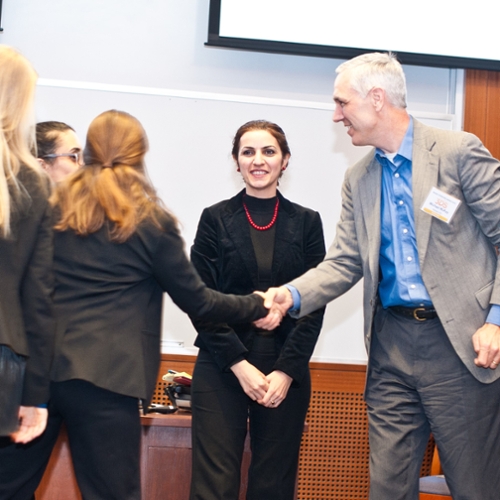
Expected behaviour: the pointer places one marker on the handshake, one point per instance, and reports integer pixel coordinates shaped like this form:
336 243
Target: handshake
278 300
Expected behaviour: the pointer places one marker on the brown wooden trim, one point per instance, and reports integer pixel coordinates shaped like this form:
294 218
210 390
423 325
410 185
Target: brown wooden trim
482 107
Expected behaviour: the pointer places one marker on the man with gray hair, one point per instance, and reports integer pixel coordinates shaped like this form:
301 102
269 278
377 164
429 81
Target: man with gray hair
420 223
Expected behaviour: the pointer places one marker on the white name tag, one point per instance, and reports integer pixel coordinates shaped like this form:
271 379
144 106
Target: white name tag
440 205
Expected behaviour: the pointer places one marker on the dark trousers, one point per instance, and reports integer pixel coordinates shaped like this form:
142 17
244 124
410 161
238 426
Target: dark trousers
416 385
221 413
104 437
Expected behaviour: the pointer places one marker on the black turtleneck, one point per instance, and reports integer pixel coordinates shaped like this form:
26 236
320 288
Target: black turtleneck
262 211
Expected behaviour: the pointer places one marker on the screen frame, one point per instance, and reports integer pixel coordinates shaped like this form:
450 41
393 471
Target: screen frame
215 40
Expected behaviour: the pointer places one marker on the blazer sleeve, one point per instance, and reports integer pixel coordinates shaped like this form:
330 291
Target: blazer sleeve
219 339
299 345
480 178
38 315
177 276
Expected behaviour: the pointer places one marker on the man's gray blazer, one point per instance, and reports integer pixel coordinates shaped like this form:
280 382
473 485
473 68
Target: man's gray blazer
458 260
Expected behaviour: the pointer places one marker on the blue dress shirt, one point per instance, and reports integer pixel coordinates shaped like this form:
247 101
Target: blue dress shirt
401 281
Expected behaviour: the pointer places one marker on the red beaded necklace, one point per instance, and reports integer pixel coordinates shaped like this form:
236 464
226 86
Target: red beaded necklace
263 228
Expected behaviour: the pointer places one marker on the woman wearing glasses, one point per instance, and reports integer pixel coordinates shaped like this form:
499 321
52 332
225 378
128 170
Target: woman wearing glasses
58 149
246 377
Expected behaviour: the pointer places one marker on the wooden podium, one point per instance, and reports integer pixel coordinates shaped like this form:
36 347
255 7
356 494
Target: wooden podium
165 462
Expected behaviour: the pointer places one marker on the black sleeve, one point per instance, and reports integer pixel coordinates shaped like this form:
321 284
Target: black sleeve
38 315
177 276
218 338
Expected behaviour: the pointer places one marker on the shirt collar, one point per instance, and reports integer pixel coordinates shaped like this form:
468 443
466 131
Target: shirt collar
406 148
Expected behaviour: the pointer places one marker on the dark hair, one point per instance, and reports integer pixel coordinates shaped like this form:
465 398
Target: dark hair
47 134
275 130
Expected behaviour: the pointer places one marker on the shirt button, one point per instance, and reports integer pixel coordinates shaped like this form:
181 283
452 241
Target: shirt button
405 231
401 202
409 259
413 286
396 175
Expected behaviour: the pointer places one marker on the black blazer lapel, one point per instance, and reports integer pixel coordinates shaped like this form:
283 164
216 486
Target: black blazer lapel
238 230
286 231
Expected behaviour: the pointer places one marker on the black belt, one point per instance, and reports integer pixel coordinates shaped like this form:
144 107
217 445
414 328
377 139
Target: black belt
418 313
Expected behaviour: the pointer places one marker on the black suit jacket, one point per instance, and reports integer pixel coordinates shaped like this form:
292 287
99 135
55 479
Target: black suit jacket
26 284
108 299
224 256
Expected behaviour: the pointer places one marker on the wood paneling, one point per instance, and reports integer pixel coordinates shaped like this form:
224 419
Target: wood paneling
431 496
482 107
58 482
165 462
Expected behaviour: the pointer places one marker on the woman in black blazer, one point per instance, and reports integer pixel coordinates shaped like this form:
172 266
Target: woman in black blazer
26 280
252 241
116 251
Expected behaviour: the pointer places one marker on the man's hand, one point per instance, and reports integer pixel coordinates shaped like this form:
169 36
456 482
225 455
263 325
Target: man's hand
279 383
32 422
252 380
278 300
486 342
274 316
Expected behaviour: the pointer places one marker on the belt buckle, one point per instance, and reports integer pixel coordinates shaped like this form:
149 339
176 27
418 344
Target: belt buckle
415 313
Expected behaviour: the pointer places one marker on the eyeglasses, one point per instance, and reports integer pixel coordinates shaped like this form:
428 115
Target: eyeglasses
76 157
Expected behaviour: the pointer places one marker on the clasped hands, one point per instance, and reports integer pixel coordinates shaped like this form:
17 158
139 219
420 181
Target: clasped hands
267 390
278 301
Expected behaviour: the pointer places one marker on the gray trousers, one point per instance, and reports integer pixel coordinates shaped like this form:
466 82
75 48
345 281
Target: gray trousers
416 384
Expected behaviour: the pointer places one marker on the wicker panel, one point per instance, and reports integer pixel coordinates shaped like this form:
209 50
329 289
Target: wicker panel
333 462
159 396
427 462
170 362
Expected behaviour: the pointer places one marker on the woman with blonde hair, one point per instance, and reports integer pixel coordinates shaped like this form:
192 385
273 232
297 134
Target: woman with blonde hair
117 249
26 323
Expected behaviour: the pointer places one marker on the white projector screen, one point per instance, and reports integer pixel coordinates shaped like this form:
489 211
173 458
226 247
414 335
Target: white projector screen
429 33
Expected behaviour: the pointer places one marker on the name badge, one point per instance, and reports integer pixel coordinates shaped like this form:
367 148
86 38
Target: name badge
440 205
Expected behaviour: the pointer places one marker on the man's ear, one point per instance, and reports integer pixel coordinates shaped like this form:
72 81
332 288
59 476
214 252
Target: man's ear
378 98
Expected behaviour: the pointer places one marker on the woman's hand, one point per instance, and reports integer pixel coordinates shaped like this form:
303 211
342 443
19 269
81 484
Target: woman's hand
252 380
32 422
273 318
278 301
279 383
